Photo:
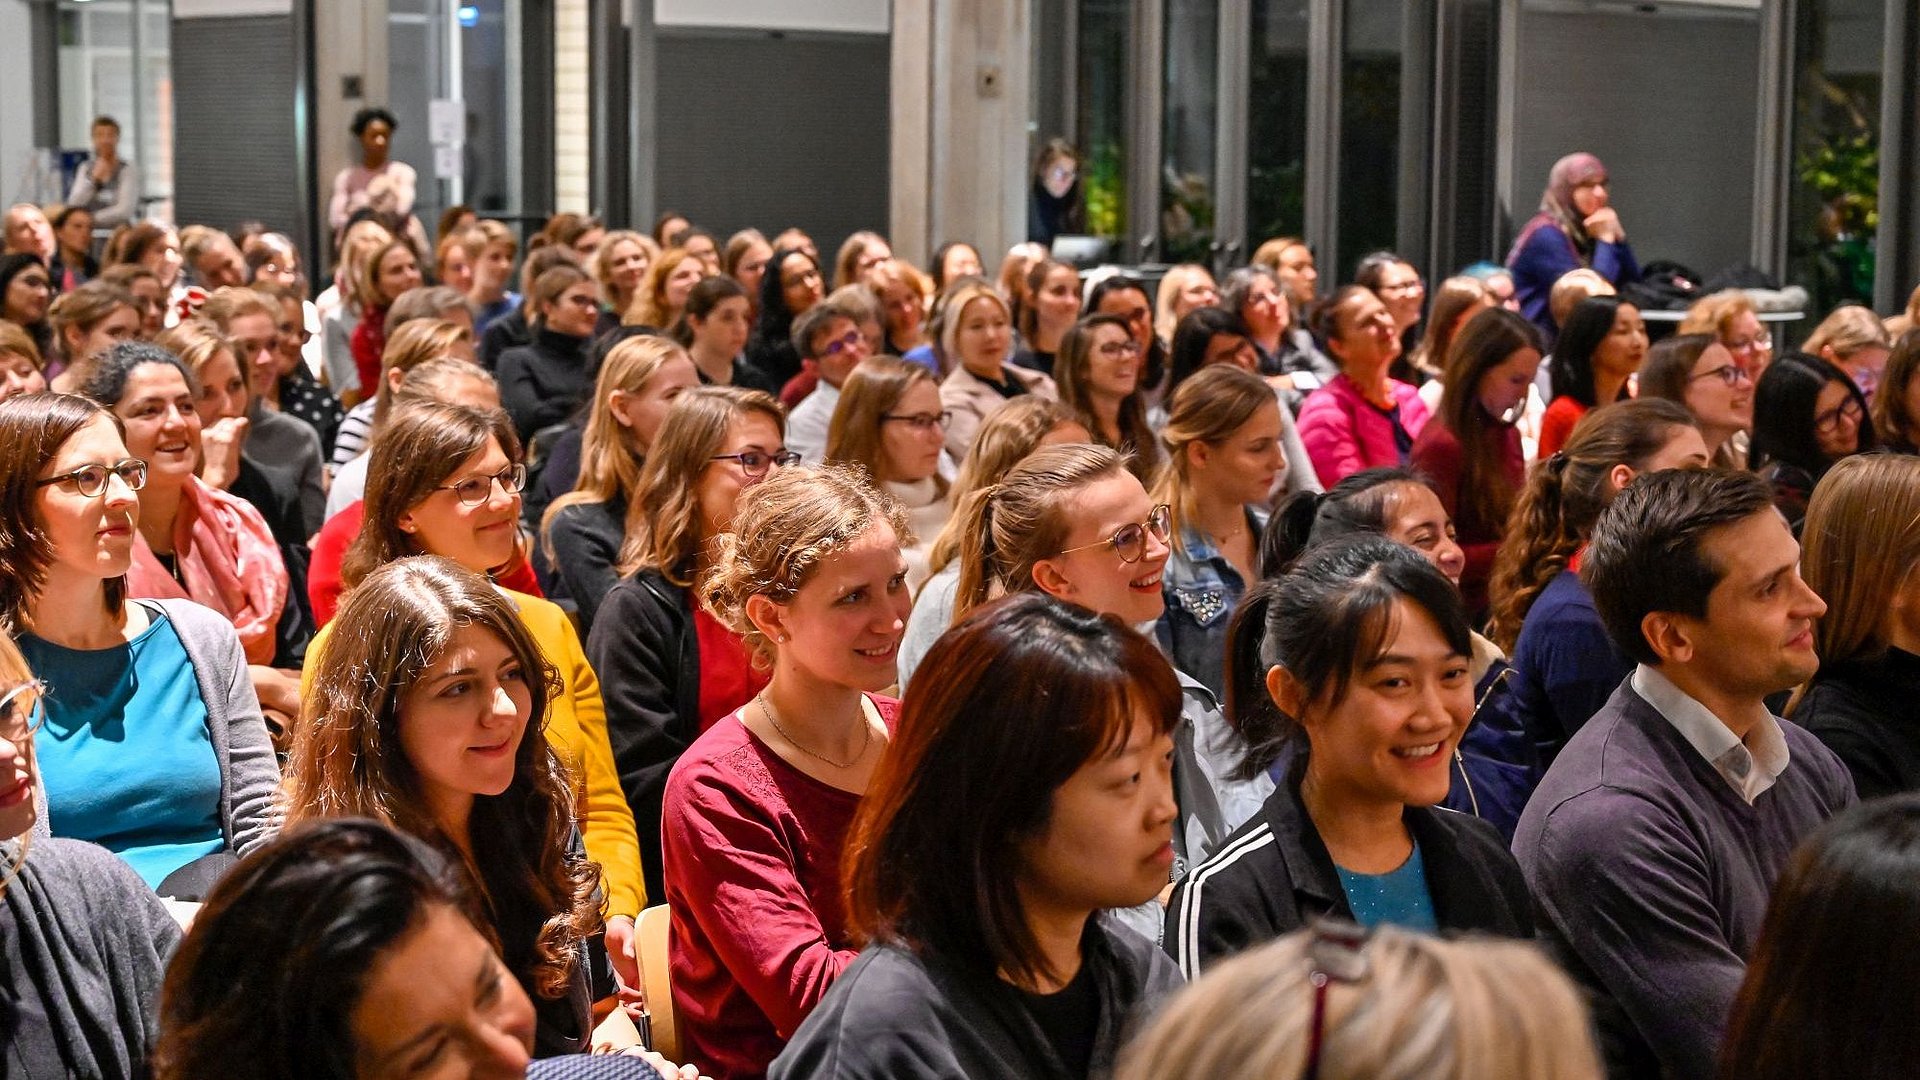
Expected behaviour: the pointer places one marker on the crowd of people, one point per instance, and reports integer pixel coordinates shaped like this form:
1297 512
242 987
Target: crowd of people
945 671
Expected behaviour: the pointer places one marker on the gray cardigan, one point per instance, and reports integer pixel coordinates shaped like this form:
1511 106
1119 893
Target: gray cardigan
250 807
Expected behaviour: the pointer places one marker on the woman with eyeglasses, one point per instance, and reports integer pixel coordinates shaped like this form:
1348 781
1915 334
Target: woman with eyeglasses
986 950
1333 1002
85 942
975 338
544 381
1696 371
1126 296
152 745
889 422
446 480
1073 523
1350 678
1223 440
1098 369
1471 450
1576 228
1363 418
1730 316
669 668
756 811
1398 285
1807 415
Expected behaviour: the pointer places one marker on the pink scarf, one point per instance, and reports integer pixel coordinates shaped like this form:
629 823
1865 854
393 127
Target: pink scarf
229 561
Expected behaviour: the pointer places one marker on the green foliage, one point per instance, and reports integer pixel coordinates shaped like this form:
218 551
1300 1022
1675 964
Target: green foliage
1103 181
1845 172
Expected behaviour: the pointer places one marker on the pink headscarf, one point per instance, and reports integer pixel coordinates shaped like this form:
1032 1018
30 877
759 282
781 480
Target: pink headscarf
229 561
1569 173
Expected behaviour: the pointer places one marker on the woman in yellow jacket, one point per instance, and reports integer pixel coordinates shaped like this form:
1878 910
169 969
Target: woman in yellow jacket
445 480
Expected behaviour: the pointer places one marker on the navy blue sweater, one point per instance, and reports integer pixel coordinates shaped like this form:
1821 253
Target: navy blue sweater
1564 665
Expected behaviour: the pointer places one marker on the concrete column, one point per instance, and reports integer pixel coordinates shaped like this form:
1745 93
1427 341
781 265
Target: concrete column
962 73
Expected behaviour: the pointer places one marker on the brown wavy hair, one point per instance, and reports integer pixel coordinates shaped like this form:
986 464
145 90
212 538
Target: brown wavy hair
418 449
856 434
1071 370
536 898
663 516
1488 340
1563 498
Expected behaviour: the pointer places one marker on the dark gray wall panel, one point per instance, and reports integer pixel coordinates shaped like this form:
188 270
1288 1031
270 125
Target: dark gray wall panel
233 88
1669 102
773 131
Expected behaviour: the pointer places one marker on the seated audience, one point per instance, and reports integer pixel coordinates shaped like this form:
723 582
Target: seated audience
430 715
1351 678
544 381
858 254
492 247
954 260
668 667
1896 408
1072 522
975 338
282 448
1576 228
21 368
1287 352
660 298
1399 287
889 422
619 265
584 529
714 330
1052 307
144 284
1362 418
1004 441
25 295
1601 344
1470 451
1861 543
1126 296
986 953
152 744
87 942
1824 994
515 328
1655 836
1217 336
86 322
830 346
1337 1003
1097 369
1807 415
1854 340
756 811
1185 287
791 284
904 291
1699 373
1291 260
1455 303
1565 666
1729 315
412 343
445 481
1223 440
294 390
389 270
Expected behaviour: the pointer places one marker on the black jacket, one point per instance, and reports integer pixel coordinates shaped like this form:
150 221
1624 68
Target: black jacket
543 382
1274 874
900 1015
506 332
1863 711
647 655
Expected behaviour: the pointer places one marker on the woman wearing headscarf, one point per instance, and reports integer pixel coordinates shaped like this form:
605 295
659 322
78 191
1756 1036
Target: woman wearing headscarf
1576 227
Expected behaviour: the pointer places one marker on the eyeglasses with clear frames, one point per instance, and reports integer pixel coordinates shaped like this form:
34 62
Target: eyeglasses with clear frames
921 422
758 462
21 713
475 490
1130 541
91 480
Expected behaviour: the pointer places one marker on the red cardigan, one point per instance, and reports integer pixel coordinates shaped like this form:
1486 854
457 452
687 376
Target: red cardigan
330 549
752 852
1438 456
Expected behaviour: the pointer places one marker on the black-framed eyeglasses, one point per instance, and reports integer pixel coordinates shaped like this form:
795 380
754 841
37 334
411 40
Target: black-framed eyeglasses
921 421
21 713
757 462
475 490
1731 374
1336 952
91 480
1130 541
1828 422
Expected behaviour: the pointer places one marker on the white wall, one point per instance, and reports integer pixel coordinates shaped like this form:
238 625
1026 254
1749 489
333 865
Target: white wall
16 97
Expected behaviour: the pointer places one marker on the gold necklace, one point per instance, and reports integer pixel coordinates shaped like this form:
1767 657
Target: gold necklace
760 699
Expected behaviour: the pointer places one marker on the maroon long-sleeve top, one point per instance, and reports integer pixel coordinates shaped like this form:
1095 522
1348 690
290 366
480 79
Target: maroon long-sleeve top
1438 456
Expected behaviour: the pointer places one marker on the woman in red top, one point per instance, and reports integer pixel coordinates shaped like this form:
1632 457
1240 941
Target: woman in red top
1471 451
758 808
391 269
1601 345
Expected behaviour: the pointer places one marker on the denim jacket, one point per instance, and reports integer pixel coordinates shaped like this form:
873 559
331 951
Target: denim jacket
1202 588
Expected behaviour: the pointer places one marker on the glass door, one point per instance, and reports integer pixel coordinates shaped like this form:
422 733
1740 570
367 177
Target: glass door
1276 130
1833 201
1189 119
1101 88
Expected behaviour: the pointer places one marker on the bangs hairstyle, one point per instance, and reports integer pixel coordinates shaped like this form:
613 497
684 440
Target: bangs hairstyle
953 311
1004 439
348 760
857 433
1563 497
334 897
1860 546
851 249
33 428
1194 333
1361 504
1325 621
1209 407
548 287
1073 373
418 449
609 461
783 528
1006 529
1785 400
663 516
922 876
